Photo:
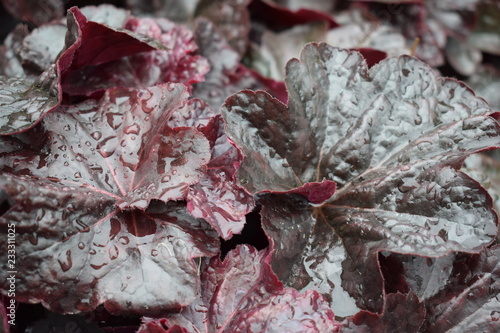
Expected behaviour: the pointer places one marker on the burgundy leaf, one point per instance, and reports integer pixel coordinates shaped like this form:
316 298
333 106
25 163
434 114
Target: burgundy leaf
426 276
108 15
226 76
35 11
177 63
279 17
231 18
319 5
242 294
151 325
470 300
391 137
277 48
193 113
217 198
25 102
180 11
10 60
41 47
401 314
81 190
90 47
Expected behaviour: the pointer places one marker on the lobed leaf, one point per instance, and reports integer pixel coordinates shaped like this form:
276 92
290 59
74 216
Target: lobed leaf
392 138
84 192
242 294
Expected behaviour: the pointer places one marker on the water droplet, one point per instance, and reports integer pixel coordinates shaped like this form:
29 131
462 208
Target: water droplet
96 135
115 228
63 147
81 226
132 129
114 119
107 147
166 178
113 252
33 238
123 240
92 252
66 128
78 175
405 168
65 261
98 266
81 245
66 163
174 172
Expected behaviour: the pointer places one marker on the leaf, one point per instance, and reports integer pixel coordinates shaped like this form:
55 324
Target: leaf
470 300
151 325
401 314
277 48
39 50
242 294
391 137
486 82
84 192
226 76
33 11
92 49
277 17
25 102
217 198
231 18
180 11
10 62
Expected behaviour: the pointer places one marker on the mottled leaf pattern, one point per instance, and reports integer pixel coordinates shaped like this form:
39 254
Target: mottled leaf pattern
391 137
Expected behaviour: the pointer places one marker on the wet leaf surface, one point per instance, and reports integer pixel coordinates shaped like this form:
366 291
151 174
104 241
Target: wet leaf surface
92 52
468 300
391 138
226 76
35 12
402 313
231 18
242 294
85 189
25 102
217 198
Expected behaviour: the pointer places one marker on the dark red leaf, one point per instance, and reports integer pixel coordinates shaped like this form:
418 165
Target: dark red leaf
469 300
391 137
278 17
217 198
90 48
25 102
226 76
34 11
242 294
231 18
401 314
83 191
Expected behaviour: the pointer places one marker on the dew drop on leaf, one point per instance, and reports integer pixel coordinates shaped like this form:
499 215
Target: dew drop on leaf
33 238
113 252
123 240
96 135
96 267
65 261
